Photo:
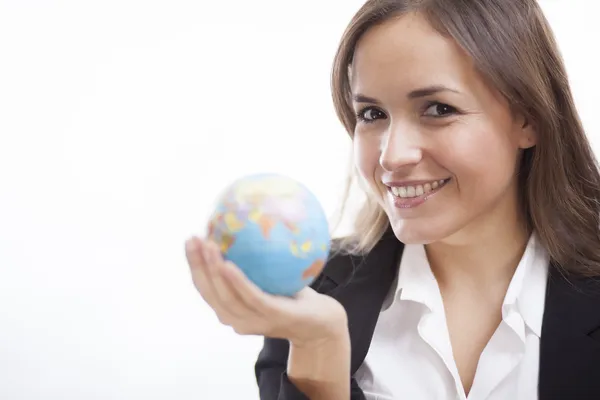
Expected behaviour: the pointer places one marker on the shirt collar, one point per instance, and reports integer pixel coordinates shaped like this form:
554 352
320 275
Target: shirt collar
415 280
526 292
527 289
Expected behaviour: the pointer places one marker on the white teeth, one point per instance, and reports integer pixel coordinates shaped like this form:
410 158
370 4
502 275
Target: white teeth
414 191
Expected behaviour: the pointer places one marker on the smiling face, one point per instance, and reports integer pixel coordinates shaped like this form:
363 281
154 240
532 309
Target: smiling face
438 146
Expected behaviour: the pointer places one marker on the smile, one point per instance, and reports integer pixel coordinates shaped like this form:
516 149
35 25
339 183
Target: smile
411 196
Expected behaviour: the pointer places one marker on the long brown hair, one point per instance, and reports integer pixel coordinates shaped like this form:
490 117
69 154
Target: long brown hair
513 47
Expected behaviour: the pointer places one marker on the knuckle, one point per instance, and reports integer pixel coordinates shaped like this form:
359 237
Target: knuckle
225 319
250 326
246 329
200 286
241 330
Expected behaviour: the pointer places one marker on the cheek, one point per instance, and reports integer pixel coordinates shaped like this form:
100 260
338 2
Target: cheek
366 157
482 161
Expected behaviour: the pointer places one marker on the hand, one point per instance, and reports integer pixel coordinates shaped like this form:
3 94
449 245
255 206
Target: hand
307 318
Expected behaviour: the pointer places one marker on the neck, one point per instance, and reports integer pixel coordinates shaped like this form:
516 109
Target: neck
483 255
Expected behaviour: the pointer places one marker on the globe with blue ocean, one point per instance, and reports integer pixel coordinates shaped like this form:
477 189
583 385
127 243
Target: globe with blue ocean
274 229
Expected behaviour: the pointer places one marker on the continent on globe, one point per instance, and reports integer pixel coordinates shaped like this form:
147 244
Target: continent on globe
226 236
314 270
274 229
268 201
301 250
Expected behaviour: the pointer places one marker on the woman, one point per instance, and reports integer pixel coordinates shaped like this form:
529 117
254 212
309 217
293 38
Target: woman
474 270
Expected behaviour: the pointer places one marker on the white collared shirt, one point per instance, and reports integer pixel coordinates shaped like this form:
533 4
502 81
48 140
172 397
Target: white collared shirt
410 356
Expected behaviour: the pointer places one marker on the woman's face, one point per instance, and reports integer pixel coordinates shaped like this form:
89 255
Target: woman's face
437 146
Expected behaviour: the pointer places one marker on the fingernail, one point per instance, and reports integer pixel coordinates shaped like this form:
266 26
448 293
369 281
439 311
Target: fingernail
190 244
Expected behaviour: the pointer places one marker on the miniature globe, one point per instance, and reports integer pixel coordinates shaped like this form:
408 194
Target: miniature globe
274 229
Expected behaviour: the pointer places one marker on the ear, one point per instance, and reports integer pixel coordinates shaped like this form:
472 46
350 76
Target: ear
527 134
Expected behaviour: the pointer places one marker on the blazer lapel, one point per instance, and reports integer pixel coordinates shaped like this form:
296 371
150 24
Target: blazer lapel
362 286
570 342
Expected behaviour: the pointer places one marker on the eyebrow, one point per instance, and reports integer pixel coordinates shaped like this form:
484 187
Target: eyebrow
415 94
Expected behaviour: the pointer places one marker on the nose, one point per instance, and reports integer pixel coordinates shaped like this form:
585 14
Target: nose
400 147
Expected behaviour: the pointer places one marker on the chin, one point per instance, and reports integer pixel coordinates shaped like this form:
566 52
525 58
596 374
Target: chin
417 232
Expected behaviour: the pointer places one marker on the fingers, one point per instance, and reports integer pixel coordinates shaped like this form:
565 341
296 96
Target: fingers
225 298
250 294
203 269
259 313
198 267
209 274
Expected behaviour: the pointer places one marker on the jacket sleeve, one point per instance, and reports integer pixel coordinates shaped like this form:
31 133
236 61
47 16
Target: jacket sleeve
271 365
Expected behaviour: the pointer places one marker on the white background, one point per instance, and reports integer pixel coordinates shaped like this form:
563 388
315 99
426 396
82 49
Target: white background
120 121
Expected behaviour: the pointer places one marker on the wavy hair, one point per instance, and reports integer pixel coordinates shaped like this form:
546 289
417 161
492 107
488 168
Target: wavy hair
513 47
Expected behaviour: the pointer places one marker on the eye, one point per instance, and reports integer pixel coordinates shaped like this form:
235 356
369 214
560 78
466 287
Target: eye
370 115
439 110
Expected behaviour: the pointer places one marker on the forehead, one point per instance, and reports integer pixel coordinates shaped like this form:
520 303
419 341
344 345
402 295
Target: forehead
405 52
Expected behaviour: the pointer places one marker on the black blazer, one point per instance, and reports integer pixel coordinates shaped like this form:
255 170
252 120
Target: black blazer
569 346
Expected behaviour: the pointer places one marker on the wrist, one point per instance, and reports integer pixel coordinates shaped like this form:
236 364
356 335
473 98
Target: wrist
321 368
335 329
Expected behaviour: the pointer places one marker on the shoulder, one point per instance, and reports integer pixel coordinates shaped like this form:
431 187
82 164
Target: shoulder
572 303
573 287
576 290
344 267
